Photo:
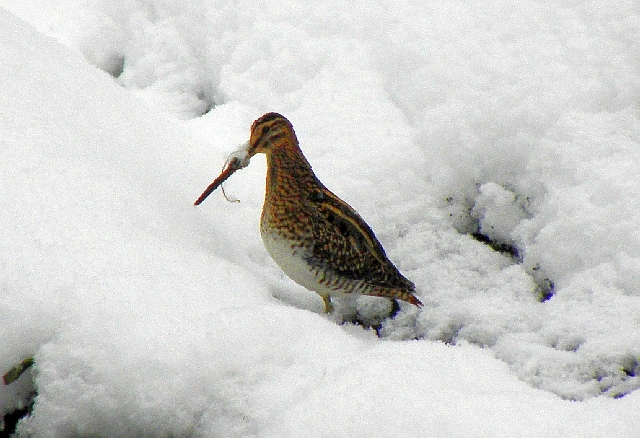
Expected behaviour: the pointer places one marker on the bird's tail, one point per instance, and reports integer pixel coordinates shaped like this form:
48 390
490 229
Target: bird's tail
398 294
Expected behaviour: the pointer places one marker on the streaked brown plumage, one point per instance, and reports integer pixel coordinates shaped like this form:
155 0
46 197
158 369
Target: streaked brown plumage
317 239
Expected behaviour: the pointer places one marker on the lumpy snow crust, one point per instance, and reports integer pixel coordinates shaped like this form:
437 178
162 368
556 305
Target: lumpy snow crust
493 147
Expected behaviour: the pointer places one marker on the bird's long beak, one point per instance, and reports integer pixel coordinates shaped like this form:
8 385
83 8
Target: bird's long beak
236 161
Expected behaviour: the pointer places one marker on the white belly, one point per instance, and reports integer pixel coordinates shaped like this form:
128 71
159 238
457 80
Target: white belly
291 259
292 262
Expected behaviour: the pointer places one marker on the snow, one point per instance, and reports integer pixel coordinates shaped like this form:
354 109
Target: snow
516 123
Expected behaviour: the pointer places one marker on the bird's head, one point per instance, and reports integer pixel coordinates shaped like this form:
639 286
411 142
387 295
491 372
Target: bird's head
268 132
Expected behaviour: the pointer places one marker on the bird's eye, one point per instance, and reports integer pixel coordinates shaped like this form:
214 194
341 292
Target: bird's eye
266 129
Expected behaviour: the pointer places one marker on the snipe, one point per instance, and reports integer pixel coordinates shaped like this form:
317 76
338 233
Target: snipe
316 238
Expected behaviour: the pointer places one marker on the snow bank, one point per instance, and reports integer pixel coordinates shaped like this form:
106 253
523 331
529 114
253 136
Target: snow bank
514 123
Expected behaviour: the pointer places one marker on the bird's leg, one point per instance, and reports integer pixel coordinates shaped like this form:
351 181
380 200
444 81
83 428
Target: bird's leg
328 306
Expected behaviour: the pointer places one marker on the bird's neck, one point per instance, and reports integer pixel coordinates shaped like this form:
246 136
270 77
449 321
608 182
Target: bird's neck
289 174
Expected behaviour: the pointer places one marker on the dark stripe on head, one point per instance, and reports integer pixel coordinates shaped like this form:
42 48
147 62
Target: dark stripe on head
268 117
270 127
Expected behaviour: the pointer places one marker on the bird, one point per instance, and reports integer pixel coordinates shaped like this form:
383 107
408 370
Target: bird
316 238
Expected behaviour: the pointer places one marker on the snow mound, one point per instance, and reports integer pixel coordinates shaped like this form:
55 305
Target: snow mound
493 150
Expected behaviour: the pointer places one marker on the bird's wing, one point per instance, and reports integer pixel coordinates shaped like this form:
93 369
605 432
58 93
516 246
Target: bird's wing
353 251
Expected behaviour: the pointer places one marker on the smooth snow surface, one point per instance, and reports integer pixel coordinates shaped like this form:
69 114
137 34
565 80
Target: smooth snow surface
493 146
